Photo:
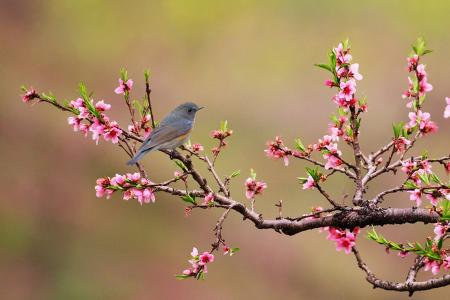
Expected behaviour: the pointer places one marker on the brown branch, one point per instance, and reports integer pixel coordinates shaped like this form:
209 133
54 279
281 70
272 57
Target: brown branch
147 94
410 285
318 163
326 196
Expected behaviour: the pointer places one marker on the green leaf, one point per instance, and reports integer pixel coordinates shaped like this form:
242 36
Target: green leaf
349 131
440 243
314 173
90 106
138 106
189 199
419 46
332 57
410 185
325 67
123 74
346 43
252 174
342 112
224 125
398 129
182 276
181 165
299 145
424 178
234 250
146 75
435 178
235 174
302 180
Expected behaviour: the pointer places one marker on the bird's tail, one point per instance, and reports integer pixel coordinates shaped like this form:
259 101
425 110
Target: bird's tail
137 157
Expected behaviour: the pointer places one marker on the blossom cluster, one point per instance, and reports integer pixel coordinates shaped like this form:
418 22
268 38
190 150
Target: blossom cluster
221 134
345 76
124 86
418 86
142 125
254 187
29 95
91 117
434 265
198 263
419 174
344 238
276 150
132 185
196 148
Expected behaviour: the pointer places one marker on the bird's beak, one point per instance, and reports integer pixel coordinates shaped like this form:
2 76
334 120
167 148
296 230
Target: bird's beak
202 107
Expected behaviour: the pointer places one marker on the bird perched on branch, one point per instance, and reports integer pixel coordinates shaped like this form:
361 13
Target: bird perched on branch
173 131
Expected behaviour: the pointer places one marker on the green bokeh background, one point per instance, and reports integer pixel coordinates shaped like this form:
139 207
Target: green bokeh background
250 62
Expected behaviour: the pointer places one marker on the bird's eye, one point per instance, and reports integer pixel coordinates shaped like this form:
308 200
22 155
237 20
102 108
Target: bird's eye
190 110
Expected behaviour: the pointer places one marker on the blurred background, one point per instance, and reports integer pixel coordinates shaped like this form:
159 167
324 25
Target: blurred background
250 62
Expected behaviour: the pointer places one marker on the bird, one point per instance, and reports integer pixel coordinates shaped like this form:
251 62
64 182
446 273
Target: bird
173 131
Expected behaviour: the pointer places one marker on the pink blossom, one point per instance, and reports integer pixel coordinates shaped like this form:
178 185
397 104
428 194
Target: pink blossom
403 254
332 161
101 188
194 252
424 86
147 196
447 108
342 56
133 176
310 183
187 272
446 263
401 144
354 72
432 265
102 106
124 87
276 150
118 180
329 83
423 120
29 95
426 166
347 89
412 62
97 130
440 230
78 103
254 188
197 148
221 135
408 166
209 199
112 132
74 122
433 200
344 238
409 92
421 74
416 195
205 258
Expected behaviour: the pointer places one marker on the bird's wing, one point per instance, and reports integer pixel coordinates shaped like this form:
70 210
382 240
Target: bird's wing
166 133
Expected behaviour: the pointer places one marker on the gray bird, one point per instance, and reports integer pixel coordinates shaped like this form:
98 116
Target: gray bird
173 131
